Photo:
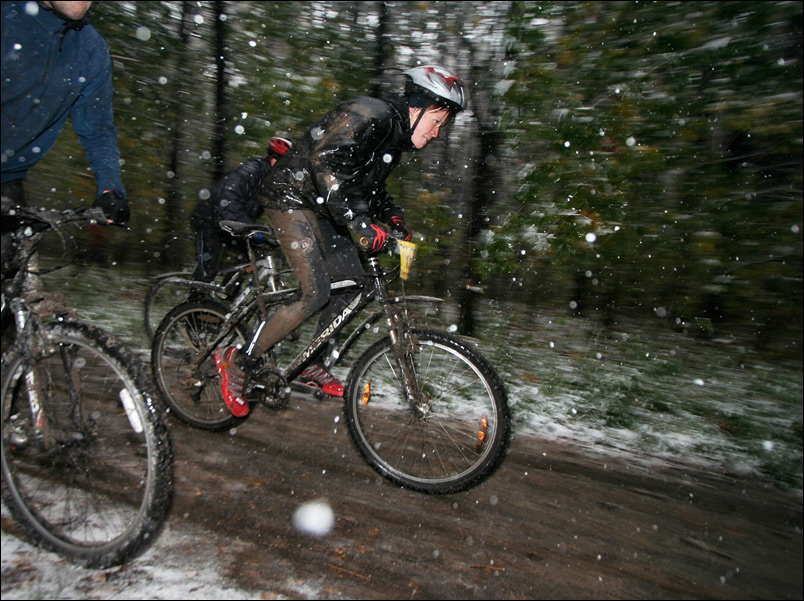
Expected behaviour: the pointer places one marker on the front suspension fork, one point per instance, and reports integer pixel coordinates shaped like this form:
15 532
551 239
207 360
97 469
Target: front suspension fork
405 345
30 344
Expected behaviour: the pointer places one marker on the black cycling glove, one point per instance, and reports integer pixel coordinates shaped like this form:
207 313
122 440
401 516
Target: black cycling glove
371 238
114 206
399 228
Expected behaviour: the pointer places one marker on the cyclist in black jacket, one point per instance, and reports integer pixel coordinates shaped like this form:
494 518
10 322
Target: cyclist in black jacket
234 197
329 188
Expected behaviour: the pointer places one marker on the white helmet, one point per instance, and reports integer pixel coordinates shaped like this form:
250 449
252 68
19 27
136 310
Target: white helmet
437 83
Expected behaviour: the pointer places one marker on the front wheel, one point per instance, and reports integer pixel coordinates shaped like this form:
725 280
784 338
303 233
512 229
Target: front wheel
458 434
86 458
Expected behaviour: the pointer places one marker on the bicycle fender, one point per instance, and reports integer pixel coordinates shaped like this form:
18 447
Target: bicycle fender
198 285
416 299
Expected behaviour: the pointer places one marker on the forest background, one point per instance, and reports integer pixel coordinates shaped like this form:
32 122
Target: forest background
619 157
620 161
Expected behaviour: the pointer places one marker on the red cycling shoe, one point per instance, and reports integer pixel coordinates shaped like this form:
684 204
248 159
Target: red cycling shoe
233 380
317 376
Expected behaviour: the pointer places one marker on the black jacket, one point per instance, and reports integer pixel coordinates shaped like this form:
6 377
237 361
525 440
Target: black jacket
234 196
338 169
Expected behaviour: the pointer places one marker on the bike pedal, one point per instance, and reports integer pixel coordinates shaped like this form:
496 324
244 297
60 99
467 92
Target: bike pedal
309 389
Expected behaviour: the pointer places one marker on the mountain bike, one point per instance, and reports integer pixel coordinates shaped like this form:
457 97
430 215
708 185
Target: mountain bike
170 289
425 409
86 458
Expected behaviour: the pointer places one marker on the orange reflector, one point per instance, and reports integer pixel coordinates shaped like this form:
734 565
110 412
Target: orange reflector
367 393
481 432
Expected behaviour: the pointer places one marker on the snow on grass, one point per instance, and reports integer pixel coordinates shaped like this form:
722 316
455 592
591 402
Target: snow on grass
653 395
640 389
183 563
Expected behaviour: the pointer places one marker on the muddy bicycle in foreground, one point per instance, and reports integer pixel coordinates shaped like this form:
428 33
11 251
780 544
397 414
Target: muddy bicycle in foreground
423 407
86 458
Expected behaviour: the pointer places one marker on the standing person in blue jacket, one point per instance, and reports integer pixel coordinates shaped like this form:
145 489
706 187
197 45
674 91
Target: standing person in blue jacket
54 65
233 198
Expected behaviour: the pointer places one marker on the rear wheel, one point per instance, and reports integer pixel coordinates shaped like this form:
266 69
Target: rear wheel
454 440
166 292
89 473
193 393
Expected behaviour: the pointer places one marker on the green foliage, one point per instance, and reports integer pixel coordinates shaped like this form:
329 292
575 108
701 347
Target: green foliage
653 127
653 148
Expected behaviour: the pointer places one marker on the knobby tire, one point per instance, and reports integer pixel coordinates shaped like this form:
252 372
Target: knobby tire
98 490
194 397
452 445
162 296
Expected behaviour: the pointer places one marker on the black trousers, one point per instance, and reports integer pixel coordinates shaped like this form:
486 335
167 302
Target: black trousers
210 241
319 253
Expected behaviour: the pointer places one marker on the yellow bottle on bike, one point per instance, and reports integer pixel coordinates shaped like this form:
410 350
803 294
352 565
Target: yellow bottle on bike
407 252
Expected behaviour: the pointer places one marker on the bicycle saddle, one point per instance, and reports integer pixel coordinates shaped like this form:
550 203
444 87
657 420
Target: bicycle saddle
241 228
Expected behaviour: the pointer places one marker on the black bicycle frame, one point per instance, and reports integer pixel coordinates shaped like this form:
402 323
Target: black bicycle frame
366 294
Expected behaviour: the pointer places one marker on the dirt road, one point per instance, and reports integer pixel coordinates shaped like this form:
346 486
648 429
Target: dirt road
551 523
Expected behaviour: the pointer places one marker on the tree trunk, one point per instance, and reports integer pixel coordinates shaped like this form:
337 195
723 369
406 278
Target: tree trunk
173 200
219 142
482 194
482 154
381 50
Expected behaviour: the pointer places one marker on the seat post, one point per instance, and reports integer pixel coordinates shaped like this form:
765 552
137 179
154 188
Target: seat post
255 276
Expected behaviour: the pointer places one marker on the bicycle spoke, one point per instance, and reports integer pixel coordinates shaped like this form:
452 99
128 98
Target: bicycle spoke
436 447
189 386
99 488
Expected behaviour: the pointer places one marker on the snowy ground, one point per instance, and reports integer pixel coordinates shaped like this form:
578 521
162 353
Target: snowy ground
174 568
643 388
654 395
181 577
658 395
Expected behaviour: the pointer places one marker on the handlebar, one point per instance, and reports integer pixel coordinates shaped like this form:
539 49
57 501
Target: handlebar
30 225
41 219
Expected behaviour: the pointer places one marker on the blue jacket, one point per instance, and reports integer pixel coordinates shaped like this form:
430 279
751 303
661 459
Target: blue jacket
50 71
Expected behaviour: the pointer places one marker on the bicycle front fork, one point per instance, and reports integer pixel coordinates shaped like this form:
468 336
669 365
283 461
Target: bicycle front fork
29 349
404 345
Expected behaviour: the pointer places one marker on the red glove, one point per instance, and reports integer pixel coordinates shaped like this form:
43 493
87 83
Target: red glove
370 237
399 228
